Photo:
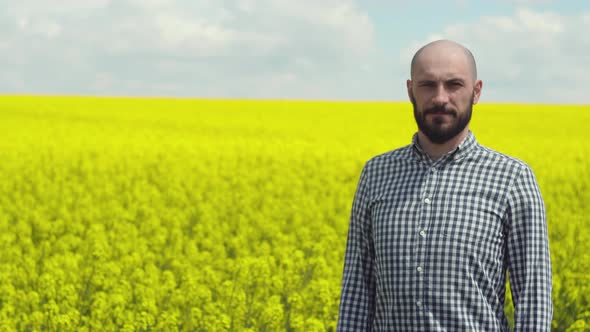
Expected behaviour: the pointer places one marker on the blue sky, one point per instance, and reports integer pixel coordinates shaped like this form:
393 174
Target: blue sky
528 51
407 21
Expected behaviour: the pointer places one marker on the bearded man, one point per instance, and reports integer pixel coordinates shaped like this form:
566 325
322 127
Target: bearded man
436 226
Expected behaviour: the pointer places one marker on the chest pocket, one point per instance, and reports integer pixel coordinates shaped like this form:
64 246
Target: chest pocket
471 229
471 216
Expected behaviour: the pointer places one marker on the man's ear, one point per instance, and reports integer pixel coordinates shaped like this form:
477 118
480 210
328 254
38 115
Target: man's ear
477 91
409 88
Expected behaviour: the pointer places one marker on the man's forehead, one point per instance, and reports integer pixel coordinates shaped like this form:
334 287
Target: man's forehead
441 70
444 57
441 73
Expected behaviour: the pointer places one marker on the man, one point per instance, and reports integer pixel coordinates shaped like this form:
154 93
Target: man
436 225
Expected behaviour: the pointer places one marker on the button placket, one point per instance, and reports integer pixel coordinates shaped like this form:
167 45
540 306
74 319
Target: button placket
427 202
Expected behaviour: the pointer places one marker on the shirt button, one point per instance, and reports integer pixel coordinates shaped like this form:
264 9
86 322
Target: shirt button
419 269
419 303
427 200
423 233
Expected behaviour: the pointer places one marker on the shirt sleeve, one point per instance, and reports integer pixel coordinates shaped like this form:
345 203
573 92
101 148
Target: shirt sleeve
357 299
529 262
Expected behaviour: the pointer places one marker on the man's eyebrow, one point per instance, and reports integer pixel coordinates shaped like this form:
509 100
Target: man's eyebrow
455 79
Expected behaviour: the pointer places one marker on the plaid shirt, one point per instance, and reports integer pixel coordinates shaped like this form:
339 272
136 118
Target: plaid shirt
430 242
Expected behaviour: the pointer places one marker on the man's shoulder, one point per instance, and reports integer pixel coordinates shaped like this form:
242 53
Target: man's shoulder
496 157
502 163
386 159
401 153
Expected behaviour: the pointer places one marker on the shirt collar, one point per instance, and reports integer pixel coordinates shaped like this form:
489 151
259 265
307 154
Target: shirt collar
468 145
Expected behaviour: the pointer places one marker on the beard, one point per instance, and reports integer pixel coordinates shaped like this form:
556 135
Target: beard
435 132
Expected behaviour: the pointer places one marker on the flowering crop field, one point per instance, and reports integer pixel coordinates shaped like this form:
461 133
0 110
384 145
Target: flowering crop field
121 214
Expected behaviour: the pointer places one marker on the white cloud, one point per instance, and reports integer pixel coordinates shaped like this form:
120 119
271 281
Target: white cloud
231 48
528 57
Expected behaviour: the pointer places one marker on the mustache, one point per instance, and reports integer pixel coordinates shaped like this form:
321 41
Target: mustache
439 110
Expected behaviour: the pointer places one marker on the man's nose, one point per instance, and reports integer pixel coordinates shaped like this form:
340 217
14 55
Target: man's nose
441 96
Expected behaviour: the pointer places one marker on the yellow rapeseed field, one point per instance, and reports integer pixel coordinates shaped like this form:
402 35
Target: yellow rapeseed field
200 215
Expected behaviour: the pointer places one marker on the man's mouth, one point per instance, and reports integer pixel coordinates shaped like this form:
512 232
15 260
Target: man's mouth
440 113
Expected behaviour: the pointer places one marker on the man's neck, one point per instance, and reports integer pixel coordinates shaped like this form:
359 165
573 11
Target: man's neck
435 151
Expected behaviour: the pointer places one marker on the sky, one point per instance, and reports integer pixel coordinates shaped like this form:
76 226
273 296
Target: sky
526 51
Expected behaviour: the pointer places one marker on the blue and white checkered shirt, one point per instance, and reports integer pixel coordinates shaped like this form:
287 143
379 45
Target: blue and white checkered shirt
430 242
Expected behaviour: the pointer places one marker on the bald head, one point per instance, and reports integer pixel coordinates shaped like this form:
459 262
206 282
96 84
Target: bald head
444 48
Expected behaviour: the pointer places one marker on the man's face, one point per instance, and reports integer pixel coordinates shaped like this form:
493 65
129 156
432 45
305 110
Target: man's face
442 91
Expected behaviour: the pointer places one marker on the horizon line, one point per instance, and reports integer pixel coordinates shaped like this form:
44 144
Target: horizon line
245 99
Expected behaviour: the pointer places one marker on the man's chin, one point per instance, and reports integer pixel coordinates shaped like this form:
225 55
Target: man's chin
439 137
